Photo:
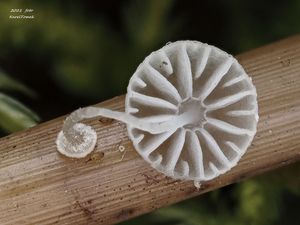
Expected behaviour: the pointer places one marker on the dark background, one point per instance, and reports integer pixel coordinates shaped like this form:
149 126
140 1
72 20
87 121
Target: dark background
81 52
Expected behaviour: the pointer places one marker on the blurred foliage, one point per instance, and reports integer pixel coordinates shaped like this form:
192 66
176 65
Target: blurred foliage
85 57
14 116
84 51
9 84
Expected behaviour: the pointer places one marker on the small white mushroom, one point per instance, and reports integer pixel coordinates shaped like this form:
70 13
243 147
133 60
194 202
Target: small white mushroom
191 112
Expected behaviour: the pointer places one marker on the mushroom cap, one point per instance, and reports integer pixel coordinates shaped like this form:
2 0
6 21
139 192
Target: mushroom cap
69 149
210 85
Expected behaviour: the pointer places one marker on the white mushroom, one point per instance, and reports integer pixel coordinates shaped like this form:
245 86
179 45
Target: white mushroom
191 112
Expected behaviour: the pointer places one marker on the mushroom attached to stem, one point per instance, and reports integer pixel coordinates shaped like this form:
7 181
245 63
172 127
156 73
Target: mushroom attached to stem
191 112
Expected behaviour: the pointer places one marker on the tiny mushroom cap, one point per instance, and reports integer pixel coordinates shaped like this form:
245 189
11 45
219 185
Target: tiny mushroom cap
82 149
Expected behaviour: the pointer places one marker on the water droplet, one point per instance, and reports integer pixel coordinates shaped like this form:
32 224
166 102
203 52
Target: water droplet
121 148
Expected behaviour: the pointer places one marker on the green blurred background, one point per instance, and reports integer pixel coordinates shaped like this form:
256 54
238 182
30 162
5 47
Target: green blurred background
80 52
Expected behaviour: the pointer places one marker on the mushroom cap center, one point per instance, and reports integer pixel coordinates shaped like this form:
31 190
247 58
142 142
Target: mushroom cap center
196 112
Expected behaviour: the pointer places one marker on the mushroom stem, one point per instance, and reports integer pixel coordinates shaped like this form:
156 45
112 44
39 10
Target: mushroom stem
72 136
